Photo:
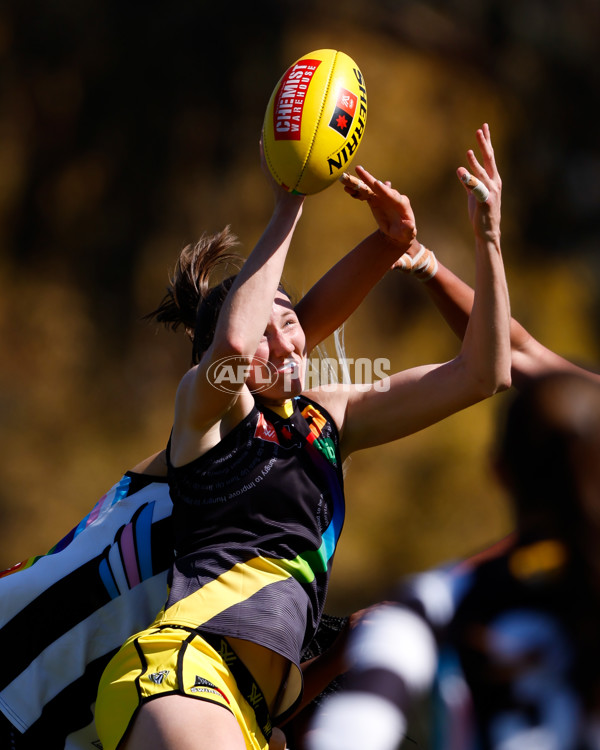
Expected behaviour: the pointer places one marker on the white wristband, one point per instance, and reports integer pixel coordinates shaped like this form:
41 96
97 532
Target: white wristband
424 264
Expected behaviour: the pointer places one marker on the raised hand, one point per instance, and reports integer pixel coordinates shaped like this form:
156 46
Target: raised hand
484 186
392 210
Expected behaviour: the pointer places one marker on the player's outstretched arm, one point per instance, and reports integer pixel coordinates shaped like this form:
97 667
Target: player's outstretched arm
454 298
337 294
413 399
530 358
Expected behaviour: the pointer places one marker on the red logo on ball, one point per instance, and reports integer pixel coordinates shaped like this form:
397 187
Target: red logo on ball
289 101
343 114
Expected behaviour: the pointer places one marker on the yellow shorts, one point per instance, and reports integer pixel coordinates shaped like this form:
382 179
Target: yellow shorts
170 660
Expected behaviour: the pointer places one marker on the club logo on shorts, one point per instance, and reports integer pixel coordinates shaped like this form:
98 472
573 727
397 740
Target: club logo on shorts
202 685
202 682
158 677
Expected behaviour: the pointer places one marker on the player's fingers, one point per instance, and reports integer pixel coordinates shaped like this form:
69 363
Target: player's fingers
475 185
485 136
353 193
487 150
355 187
369 180
379 188
474 164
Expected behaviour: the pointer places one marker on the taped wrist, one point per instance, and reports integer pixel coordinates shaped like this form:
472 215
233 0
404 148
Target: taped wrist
423 265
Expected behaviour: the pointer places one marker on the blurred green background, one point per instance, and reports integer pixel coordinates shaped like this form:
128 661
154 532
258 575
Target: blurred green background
128 128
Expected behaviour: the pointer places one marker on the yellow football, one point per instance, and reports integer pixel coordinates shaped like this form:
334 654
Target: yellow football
315 121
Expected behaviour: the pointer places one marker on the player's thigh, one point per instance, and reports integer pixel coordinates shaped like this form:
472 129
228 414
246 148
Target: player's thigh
174 722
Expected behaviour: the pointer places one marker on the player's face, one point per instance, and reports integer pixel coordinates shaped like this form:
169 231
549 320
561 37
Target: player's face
280 359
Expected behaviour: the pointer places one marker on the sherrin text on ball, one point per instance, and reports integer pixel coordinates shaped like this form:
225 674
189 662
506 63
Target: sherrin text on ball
315 121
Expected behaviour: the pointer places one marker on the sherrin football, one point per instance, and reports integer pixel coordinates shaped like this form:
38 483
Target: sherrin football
315 121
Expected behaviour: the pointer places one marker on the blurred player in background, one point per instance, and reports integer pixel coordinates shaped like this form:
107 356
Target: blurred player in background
509 642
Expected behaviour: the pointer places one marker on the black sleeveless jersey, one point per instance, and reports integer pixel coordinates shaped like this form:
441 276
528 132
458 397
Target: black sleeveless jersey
256 521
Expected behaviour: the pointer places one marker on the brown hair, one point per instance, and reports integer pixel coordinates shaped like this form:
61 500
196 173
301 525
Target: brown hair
190 300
